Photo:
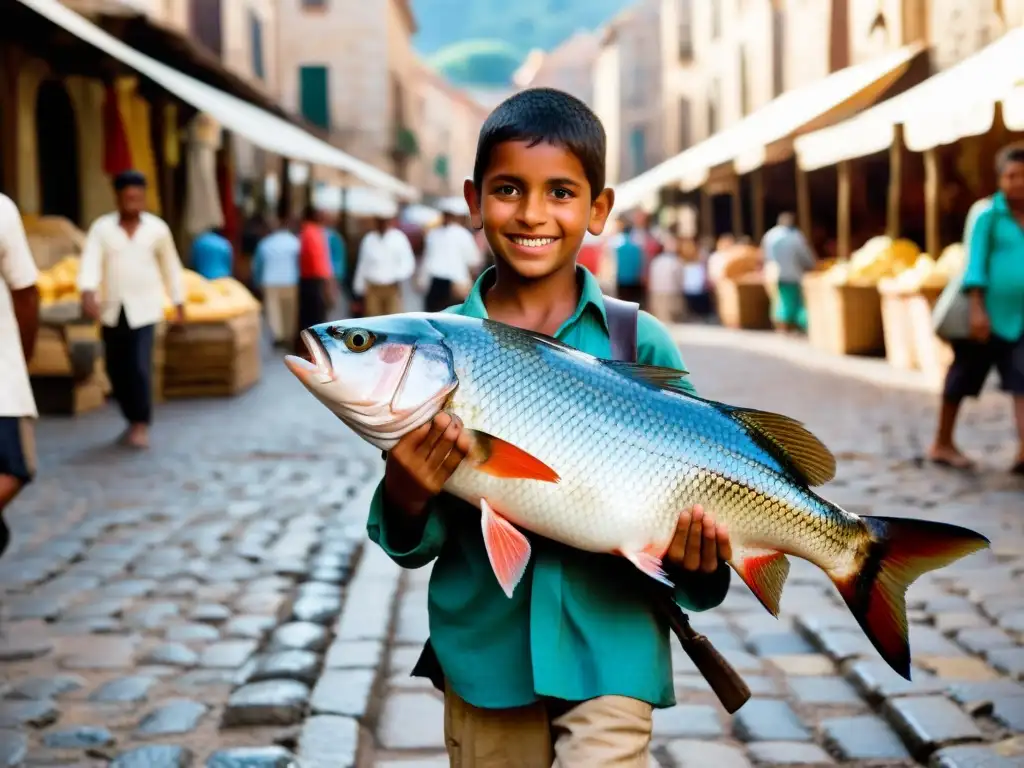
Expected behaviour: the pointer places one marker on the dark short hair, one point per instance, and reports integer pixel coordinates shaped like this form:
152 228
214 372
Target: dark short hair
1012 153
131 178
545 115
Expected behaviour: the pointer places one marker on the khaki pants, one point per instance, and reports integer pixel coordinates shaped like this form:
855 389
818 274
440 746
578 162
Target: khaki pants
383 299
606 732
282 305
666 307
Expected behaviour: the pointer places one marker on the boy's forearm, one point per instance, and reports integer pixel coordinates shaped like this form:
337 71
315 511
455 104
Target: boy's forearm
406 522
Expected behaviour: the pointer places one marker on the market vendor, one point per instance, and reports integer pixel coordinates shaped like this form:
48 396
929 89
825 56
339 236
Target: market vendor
785 246
130 260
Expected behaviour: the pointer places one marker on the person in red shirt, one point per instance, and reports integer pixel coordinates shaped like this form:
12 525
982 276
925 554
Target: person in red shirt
316 275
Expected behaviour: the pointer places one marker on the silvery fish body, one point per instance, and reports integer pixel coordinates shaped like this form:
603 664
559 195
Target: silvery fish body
604 456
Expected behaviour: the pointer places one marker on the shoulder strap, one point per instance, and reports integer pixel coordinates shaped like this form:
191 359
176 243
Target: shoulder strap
622 317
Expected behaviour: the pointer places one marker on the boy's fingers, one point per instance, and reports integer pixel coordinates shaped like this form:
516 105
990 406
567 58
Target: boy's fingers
444 444
415 438
677 547
724 544
691 560
709 546
452 461
437 428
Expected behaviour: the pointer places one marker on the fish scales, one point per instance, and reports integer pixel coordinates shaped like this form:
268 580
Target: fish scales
624 451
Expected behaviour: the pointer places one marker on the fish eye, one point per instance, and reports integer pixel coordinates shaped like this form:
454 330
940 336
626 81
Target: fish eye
358 339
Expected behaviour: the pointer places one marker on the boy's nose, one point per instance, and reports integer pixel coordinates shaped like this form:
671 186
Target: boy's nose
532 212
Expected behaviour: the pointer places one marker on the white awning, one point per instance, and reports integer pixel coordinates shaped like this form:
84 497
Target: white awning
767 133
949 106
262 128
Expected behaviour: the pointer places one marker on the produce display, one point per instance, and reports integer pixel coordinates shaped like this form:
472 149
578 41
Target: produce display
212 301
59 283
929 273
880 257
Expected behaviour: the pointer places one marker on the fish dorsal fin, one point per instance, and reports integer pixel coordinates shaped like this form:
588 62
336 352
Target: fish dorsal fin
800 452
669 379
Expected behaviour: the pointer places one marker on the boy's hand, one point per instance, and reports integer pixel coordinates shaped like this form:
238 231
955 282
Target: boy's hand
422 461
699 544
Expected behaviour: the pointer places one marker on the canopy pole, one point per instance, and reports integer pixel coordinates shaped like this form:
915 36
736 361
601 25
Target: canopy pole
737 207
892 222
803 202
707 213
843 212
932 182
757 195
284 192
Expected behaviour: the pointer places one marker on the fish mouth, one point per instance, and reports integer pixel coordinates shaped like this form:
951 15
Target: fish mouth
321 358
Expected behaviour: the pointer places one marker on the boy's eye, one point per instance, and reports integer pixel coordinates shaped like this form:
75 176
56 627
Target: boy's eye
506 190
561 193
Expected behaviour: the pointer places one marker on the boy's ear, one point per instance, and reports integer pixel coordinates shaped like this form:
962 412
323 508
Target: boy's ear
469 191
600 210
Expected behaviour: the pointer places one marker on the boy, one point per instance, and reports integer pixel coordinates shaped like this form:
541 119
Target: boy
565 672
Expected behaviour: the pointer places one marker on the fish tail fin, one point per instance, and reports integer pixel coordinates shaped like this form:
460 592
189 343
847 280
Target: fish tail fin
897 552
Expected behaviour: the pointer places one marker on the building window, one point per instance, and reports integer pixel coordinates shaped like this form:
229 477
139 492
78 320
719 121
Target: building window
778 50
256 44
716 19
638 149
205 22
685 125
685 30
314 102
713 93
744 82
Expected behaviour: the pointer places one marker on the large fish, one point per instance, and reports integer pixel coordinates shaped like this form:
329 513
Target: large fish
603 456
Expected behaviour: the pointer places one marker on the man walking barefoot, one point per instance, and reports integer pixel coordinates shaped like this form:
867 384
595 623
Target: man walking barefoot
130 258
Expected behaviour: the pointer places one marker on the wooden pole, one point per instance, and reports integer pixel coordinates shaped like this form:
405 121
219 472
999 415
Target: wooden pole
843 212
803 202
737 208
932 182
892 218
757 195
707 214
9 103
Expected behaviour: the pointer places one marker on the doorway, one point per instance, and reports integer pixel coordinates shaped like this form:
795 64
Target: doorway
57 148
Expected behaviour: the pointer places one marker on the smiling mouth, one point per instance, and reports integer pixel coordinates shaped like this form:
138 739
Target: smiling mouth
524 241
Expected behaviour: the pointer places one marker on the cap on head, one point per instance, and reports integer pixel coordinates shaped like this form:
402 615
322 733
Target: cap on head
129 178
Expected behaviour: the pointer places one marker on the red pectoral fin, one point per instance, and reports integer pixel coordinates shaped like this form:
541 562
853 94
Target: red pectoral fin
507 548
493 456
765 572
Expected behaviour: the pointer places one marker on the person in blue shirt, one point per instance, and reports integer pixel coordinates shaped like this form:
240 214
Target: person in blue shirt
994 283
629 257
275 271
212 255
339 256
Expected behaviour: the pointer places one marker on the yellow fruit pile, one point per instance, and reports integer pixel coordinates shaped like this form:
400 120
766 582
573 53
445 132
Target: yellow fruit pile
928 273
879 258
210 301
59 282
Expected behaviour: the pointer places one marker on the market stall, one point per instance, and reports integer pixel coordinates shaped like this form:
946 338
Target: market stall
741 296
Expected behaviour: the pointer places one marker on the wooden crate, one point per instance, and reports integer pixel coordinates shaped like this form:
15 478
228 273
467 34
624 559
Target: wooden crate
63 396
212 359
843 319
900 349
743 303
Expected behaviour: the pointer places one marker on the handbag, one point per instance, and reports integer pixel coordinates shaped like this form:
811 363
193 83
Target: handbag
951 316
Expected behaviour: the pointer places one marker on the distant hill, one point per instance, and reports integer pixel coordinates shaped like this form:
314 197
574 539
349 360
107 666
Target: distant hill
482 42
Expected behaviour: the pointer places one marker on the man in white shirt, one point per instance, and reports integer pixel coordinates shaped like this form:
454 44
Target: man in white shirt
385 262
128 262
19 323
450 253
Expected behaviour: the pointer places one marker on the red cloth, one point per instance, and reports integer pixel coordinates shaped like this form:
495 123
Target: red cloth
590 257
117 155
314 252
225 186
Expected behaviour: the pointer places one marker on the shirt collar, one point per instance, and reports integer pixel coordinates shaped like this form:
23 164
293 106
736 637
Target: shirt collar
999 203
591 297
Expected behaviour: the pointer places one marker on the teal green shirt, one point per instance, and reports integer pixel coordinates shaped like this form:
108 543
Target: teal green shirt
578 625
995 263
338 253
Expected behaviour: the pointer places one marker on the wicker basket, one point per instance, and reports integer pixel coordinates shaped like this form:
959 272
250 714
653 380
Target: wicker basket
843 319
743 303
900 349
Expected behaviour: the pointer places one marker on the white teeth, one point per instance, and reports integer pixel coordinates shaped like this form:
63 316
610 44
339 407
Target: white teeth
532 242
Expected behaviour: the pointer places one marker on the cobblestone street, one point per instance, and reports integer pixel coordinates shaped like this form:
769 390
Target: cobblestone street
210 603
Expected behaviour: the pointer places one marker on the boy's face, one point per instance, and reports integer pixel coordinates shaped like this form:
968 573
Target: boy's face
535 207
